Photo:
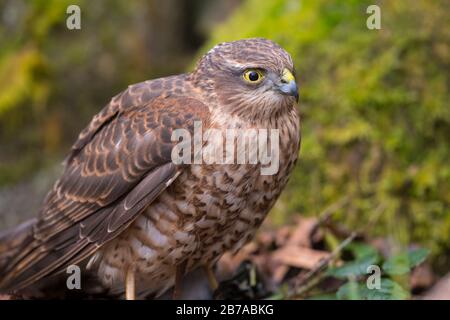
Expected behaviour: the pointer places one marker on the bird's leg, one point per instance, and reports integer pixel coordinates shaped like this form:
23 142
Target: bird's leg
130 290
211 277
179 273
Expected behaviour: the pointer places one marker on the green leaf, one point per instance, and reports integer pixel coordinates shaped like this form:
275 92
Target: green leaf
403 263
396 265
354 268
389 290
362 250
350 291
326 296
417 256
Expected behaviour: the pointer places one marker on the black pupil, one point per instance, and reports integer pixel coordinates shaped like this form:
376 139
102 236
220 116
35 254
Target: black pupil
253 76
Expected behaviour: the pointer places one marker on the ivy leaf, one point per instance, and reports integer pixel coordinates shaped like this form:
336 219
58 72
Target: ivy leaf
417 256
351 290
389 290
326 296
403 263
354 268
397 265
362 250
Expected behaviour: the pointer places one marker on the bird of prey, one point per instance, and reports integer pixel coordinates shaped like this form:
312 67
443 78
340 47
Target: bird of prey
140 220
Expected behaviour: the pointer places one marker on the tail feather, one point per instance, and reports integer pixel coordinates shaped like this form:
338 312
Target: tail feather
11 242
17 241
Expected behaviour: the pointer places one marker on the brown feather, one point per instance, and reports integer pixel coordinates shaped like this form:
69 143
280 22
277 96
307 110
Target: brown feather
119 165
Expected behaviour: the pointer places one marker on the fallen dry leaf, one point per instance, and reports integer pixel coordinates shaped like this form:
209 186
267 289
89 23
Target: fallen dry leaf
301 235
440 291
229 262
299 257
421 277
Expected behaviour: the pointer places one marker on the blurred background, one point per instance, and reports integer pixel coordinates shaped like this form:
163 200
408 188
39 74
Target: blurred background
374 103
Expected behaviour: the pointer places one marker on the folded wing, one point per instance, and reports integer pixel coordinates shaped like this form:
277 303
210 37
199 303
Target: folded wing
119 165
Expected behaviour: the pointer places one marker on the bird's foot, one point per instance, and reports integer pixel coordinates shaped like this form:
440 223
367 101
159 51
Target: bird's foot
130 290
179 273
211 277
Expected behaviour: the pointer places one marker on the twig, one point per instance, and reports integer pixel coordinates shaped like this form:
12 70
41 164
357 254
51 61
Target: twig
314 276
306 282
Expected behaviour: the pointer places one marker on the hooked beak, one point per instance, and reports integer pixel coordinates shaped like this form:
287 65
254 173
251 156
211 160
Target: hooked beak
288 86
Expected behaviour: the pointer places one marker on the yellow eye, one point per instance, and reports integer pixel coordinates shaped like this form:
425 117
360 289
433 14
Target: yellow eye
253 76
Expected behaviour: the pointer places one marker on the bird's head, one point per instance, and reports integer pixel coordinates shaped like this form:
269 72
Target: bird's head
250 75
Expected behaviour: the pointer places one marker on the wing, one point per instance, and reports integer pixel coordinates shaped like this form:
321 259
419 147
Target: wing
117 167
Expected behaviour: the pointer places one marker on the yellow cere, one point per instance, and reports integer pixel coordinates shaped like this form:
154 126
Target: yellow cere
287 76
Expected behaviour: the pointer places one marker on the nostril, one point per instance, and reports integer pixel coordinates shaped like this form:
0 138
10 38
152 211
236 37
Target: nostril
284 81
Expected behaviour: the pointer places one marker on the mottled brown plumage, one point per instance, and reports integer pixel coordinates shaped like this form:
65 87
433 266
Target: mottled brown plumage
122 203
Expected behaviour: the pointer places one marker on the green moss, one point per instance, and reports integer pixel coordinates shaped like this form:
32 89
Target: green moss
52 80
375 110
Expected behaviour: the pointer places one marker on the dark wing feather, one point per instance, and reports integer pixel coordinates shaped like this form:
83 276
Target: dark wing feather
118 166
